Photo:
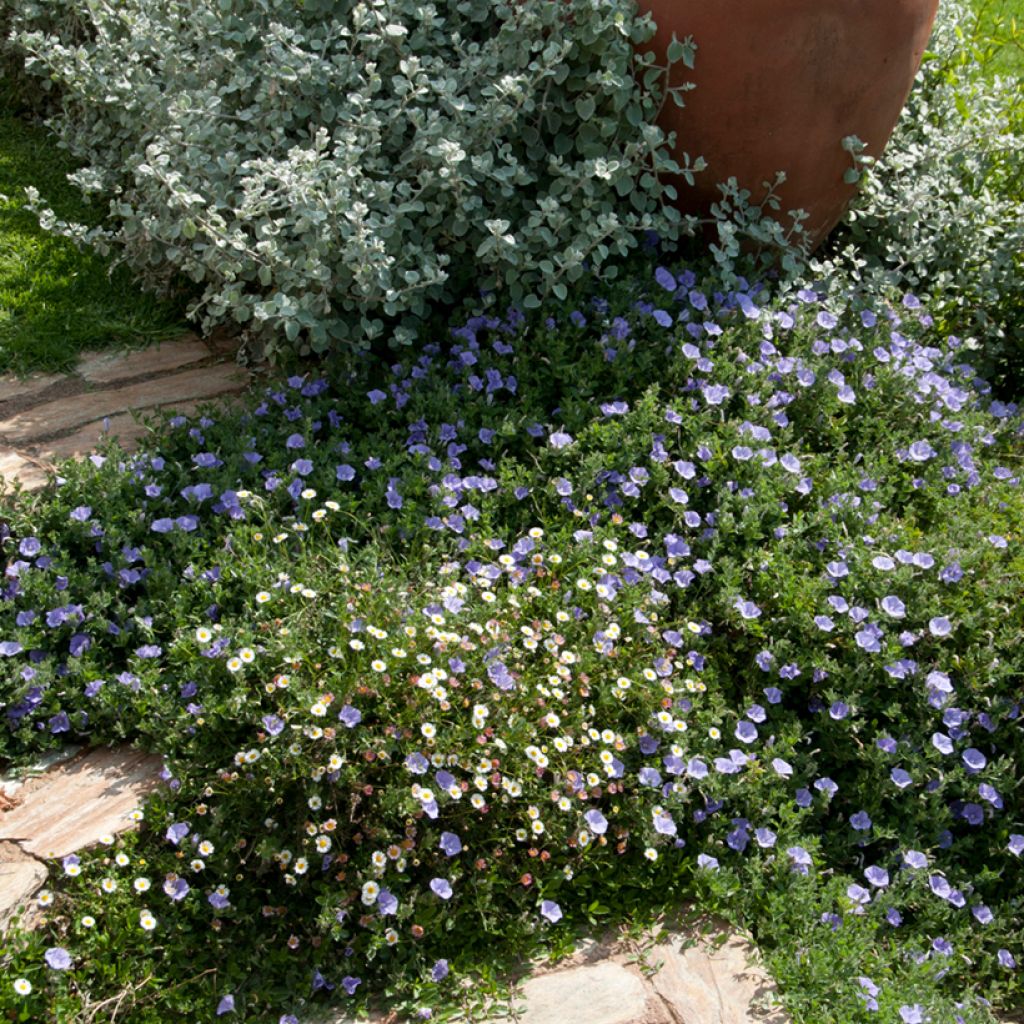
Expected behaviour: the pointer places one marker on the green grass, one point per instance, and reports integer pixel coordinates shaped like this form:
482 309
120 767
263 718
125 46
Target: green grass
55 301
1002 23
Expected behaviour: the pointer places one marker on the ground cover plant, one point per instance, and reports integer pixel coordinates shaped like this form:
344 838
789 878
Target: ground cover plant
714 598
55 300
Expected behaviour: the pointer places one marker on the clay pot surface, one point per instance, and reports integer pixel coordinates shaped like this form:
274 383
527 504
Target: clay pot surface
780 84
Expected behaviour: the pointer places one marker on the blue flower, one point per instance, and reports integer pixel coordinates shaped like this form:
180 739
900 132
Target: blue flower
273 725
60 723
349 716
177 832
394 499
387 902
877 876
441 887
550 910
664 825
746 732
58 959
666 279
450 843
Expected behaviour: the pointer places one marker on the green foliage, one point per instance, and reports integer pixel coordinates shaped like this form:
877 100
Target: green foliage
683 525
940 212
998 39
327 171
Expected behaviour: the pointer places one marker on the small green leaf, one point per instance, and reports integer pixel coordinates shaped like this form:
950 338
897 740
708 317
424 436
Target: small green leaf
681 50
585 107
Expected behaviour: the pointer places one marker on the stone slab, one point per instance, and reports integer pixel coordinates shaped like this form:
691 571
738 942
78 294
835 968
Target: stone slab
124 427
110 367
15 466
723 985
11 784
601 993
605 982
20 877
71 806
53 418
12 387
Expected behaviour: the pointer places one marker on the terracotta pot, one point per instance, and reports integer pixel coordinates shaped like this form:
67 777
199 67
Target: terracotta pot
780 83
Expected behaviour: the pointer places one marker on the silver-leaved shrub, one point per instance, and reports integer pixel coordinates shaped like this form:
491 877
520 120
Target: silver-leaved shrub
325 171
940 211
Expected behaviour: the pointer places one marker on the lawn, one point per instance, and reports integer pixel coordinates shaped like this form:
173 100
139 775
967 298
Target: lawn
55 300
1003 21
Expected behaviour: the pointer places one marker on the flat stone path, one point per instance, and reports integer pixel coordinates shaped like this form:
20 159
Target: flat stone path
46 417
75 801
685 973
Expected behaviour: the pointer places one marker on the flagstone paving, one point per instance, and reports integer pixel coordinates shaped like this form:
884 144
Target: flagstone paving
697 973
46 417
75 801
683 973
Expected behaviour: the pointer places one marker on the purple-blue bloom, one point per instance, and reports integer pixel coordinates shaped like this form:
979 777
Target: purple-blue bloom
441 887
58 959
349 716
177 832
550 910
450 843
273 725
387 902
